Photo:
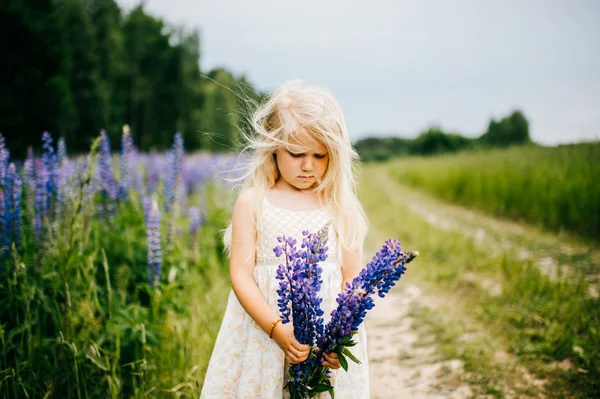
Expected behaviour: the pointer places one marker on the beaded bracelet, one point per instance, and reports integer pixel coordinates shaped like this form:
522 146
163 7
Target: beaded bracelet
273 327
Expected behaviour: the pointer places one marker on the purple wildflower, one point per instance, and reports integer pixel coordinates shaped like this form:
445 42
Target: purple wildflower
377 277
50 162
12 206
126 177
4 156
196 219
154 247
41 200
300 283
29 173
108 187
62 151
174 171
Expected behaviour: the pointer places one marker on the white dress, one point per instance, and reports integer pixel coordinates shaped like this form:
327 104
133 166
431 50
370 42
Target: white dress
246 363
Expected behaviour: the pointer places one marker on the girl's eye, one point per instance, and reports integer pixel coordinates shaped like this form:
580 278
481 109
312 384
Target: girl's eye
319 156
295 155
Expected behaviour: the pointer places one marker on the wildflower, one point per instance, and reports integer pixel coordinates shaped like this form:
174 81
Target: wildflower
196 219
300 282
41 201
4 156
174 171
108 187
62 151
377 277
309 378
125 178
11 209
50 166
154 246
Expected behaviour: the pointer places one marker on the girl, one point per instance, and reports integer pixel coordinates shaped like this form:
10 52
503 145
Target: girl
300 178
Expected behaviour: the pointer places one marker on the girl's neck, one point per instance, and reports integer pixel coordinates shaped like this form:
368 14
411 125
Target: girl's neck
288 197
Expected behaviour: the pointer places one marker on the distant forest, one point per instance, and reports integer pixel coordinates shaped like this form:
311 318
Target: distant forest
74 67
508 131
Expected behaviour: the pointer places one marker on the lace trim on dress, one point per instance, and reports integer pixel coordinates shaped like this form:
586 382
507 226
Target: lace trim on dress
276 261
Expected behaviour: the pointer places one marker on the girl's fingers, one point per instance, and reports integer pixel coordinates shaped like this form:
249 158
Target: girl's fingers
294 352
301 347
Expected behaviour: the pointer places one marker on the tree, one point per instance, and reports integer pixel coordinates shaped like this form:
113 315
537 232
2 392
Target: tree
510 130
81 69
35 93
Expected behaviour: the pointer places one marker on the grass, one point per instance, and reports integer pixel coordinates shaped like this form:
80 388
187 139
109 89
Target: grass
539 320
551 187
78 320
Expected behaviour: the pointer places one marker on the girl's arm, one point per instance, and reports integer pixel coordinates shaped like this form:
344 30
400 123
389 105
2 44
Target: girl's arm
352 265
241 271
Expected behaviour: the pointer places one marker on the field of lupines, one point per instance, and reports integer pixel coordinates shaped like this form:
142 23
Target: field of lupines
553 187
109 270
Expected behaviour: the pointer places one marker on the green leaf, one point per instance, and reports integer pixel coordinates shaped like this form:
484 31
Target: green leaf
350 355
322 388
343 361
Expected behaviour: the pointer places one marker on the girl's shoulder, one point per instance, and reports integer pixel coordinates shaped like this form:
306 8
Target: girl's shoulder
247 197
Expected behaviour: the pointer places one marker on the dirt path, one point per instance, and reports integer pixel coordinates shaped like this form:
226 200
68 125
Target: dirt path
403 360
550 252
400 365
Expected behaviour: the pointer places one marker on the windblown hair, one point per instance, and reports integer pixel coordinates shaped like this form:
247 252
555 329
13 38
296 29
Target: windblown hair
292 110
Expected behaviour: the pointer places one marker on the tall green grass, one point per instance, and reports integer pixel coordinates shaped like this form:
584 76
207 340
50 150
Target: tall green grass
79 320
556 188
538 318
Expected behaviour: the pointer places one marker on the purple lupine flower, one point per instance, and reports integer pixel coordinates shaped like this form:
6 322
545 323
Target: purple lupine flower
154 247
62 151
300 282
4 156
4 240
50 162
69 177
108 187
12 207
196 220
175 157
153 165
29 172
377 277
126 176
146 206
41 200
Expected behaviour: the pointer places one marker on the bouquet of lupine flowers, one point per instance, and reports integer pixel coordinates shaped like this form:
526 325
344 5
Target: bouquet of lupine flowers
300 281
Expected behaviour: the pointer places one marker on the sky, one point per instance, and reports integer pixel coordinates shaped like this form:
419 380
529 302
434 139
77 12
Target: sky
398 67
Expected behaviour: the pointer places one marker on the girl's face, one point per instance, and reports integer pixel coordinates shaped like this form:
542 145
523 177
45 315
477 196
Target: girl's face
301 170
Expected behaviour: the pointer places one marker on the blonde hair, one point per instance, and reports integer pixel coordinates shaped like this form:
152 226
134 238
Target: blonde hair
293 109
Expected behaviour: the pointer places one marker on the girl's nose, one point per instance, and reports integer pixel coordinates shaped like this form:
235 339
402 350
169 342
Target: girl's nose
307 163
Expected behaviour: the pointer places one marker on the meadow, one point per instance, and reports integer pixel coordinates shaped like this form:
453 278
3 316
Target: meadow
486 225
555 188
113 278
112 273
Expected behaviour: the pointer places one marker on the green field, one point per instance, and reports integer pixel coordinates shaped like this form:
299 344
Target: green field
81 316
551 187
507 302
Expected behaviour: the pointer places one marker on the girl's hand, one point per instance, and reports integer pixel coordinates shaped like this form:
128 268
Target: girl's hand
295 352
331 361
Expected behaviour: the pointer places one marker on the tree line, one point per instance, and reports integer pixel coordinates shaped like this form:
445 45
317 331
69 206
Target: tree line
510 130
74 67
